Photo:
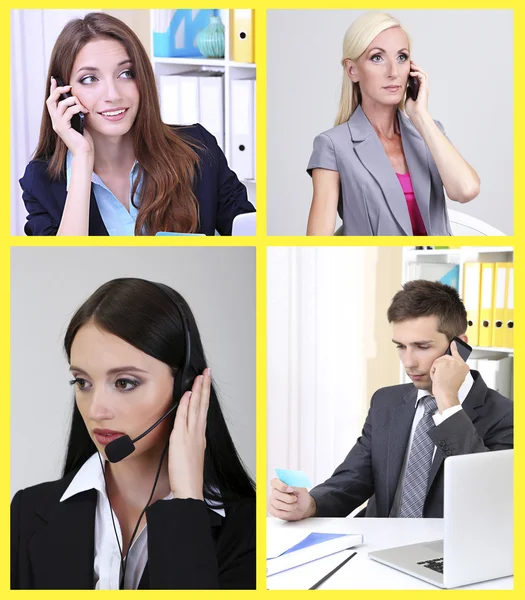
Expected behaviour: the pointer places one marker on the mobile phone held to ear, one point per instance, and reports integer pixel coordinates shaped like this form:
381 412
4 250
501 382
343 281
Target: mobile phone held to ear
77 121
464 349
412 87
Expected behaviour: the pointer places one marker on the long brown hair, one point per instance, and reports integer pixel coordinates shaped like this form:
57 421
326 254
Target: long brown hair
168 163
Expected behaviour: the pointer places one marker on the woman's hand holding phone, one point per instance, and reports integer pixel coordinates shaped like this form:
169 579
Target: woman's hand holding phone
61 112
418 109
188 441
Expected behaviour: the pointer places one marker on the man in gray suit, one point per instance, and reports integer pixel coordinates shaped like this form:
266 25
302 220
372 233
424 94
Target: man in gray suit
397 462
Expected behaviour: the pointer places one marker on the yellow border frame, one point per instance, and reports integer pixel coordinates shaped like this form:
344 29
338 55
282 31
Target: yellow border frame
261 242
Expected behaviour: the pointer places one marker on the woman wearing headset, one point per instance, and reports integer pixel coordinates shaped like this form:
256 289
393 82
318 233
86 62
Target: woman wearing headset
178 512
128 173
384 171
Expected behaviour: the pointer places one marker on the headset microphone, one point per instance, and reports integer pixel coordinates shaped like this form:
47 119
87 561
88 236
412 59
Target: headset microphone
123 446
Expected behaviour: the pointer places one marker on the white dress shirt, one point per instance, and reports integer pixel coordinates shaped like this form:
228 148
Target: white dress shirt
107 563
438 419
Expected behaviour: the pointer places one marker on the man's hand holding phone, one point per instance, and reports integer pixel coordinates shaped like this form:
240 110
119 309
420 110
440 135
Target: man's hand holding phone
448 373
290 503
61 112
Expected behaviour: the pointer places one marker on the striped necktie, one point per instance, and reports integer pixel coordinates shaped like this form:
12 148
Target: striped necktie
419 462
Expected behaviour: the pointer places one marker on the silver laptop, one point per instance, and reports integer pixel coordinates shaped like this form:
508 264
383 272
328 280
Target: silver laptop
244 224
478 525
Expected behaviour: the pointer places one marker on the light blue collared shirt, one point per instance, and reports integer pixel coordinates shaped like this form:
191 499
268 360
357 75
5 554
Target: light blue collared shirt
117 220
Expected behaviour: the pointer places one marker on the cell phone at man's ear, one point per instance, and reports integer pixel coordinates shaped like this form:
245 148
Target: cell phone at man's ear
77 121
464 349
412 87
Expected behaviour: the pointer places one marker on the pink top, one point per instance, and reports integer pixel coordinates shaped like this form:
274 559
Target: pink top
418 227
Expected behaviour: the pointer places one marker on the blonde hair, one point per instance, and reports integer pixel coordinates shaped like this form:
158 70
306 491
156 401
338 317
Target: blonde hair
357 39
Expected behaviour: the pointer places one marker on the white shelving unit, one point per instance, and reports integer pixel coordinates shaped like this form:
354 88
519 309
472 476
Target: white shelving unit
460 256
231 69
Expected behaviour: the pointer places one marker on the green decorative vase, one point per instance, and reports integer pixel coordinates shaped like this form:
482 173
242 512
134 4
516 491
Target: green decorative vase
210 40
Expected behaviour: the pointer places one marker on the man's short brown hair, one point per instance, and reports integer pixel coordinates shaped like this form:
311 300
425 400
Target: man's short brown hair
421 298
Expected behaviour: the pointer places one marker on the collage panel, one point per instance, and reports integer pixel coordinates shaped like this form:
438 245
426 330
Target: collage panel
133 122
393 132
390 400
368 384
133 447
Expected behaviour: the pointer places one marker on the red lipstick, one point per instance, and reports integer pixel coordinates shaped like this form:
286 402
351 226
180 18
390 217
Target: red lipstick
104 436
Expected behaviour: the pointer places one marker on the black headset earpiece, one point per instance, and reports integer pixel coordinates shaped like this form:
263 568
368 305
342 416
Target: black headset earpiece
184 377
123 446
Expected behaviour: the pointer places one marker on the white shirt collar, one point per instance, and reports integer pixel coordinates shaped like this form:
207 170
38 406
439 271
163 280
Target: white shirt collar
463 391
90 476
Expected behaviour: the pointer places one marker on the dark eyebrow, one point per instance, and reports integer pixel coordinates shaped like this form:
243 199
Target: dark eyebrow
415 343
122 62
126 368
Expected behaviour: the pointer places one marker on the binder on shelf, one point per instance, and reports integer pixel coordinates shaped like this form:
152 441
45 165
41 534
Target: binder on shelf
498 303
211 93
189 98
242 35
194 97
508 340
471 299
179 98
496 373
485 308
445 272
451 278
169 86
175 31
243 128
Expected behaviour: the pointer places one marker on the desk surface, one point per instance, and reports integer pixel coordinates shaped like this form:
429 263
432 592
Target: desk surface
362 573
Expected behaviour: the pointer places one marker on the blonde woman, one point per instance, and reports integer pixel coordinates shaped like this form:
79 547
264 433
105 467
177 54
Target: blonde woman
384 165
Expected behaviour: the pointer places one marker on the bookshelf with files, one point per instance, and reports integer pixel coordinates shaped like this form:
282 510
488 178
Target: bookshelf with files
451 265
231 72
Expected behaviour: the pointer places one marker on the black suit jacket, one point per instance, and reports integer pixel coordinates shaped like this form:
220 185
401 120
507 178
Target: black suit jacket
220 194
373 466
189 545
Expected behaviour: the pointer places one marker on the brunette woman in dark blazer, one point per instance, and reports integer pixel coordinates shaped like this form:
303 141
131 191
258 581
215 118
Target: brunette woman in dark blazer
128 173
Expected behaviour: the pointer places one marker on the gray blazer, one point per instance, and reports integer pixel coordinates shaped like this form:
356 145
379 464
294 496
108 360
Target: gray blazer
372 468
371 200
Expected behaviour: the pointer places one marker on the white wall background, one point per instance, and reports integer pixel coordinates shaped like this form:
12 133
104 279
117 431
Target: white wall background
49 284
328 350
468 55
313 412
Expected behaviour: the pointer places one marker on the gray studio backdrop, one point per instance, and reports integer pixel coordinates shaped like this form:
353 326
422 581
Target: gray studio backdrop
49 284
468 55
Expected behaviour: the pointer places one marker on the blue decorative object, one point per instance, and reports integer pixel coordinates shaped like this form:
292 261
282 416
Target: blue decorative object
210 40
452 278
175 31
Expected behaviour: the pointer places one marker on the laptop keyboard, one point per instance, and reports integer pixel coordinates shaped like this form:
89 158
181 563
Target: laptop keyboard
436 564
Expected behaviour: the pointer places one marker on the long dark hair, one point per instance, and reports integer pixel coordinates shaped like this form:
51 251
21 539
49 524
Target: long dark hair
141 313
169 163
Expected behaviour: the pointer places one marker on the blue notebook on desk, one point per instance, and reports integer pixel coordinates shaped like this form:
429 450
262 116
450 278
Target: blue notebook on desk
312 539
313 546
